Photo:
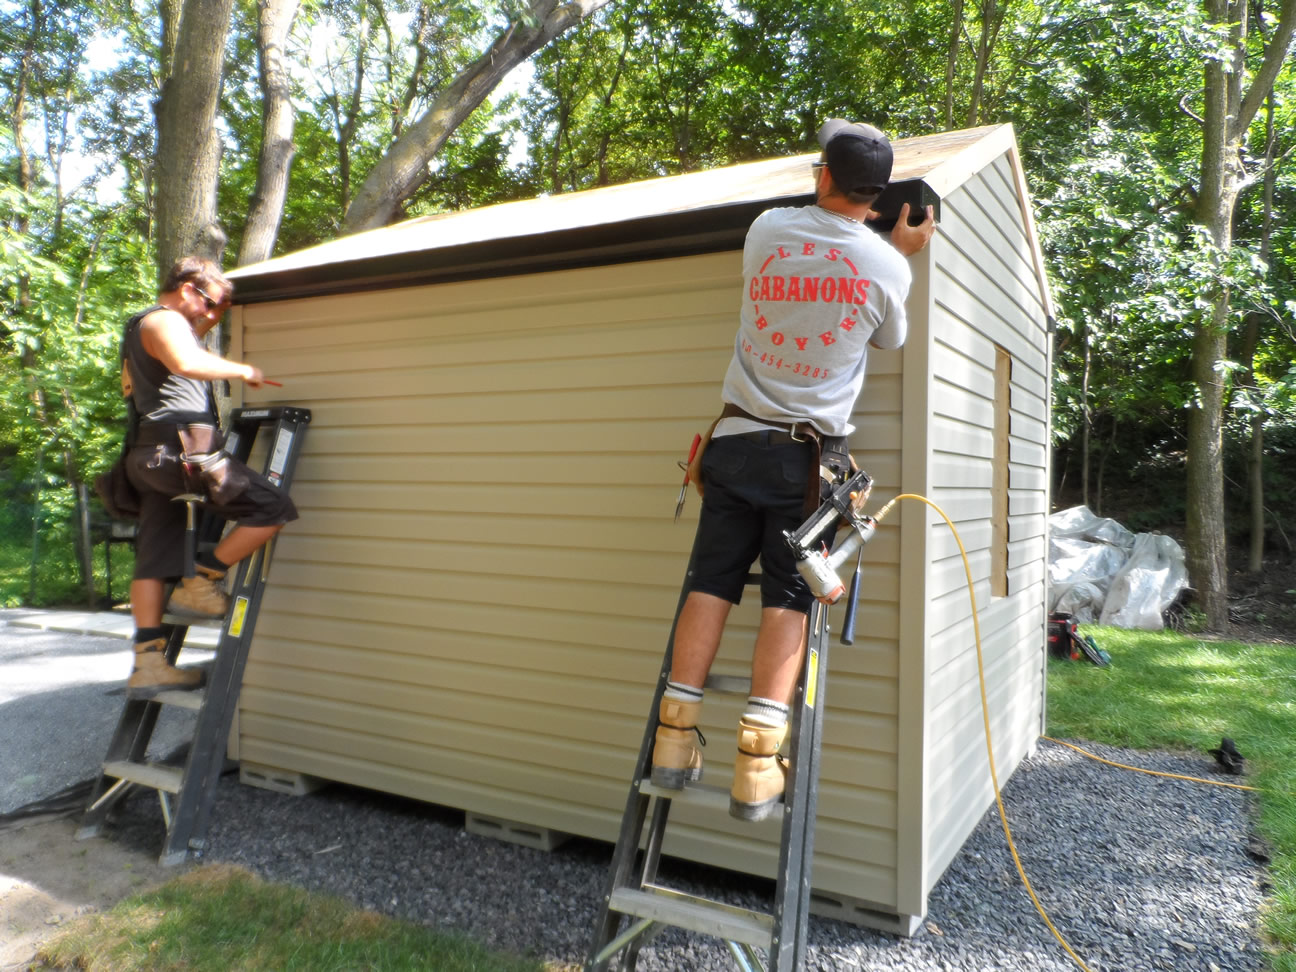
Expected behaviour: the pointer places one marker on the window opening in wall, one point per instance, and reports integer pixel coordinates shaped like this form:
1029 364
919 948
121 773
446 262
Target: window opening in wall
999 515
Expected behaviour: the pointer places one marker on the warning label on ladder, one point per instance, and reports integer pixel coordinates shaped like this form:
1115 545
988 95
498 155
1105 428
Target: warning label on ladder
280 457
237 615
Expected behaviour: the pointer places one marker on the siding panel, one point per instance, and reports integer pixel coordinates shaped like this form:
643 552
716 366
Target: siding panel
990 297
486 497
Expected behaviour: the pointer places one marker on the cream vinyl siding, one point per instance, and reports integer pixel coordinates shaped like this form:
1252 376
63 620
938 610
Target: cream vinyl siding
473 607
985 295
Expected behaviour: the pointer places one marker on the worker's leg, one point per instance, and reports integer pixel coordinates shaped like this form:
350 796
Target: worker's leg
780 648
727 542
242 540
697 637
146 601
760 773
676 757
151 674
260 511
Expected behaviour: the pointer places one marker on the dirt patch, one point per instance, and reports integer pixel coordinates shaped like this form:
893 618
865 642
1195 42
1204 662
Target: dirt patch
48 877
1262 607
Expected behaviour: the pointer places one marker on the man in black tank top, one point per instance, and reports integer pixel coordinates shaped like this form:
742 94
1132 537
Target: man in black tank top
167 374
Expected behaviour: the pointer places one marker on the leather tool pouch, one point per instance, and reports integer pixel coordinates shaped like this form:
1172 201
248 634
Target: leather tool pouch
115 490
208 467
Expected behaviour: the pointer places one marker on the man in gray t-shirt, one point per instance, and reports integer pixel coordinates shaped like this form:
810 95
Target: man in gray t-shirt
819 287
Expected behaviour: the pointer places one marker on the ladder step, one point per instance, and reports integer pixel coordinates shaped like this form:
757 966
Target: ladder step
185 621
190 699
698 914
729 684
155 775
705 795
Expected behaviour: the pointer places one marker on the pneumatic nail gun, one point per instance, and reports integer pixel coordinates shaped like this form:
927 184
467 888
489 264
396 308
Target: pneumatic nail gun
812 540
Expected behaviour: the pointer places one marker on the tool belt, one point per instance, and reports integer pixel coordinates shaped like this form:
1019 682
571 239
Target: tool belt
795 430
193 438
208 469
830 460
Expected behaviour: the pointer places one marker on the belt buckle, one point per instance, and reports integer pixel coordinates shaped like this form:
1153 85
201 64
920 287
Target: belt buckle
792 431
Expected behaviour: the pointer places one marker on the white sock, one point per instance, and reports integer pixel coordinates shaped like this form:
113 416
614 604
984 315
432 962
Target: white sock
679 692
765 712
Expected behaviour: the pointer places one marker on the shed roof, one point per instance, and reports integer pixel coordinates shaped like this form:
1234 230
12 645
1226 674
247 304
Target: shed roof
668 216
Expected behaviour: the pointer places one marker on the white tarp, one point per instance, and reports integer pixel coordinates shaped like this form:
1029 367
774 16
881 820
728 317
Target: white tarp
1100 571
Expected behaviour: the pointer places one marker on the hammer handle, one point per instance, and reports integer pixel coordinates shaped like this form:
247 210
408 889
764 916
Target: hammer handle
848 625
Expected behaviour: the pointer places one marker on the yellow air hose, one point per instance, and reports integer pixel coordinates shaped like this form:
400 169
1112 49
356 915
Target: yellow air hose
985 716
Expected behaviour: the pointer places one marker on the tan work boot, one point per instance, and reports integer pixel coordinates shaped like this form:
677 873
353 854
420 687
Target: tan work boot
152 674
202 595
760 774
676 757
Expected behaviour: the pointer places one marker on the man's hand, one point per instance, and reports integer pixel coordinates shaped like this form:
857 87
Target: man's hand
910 239
254 377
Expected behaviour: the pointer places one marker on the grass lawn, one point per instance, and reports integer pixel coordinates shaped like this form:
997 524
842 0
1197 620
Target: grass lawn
1173 691
221 918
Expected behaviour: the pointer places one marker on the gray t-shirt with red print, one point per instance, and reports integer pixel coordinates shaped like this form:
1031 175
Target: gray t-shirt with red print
819 289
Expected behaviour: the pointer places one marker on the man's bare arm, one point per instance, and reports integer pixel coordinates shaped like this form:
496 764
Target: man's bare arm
166 335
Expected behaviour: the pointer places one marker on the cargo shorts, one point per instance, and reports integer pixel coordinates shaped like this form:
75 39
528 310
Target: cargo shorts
158 473
755 485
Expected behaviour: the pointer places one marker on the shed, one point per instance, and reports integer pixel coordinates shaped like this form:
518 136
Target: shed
473 607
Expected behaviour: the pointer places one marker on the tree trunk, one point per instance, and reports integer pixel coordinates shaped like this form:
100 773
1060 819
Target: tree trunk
188 151
951 61
991 17
266 209
1254 321
1228 114
404 168
169 14
605 140
1086 429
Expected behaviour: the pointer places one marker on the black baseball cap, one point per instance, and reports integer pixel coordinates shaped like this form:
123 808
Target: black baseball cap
858 155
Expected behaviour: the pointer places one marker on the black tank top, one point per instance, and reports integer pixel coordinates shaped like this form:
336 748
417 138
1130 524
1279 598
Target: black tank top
160 395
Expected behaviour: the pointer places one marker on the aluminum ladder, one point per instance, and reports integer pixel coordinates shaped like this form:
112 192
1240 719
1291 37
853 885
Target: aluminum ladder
187 791
635 906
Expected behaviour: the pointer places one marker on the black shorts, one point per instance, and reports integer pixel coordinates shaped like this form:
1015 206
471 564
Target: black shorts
156 471
753 491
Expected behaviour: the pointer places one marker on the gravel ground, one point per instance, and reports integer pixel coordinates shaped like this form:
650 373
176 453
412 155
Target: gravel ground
1138 872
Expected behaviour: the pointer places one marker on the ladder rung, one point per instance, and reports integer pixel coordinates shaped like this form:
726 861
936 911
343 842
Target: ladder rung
186 621
729 684
189 699
155 775
694 794
702 915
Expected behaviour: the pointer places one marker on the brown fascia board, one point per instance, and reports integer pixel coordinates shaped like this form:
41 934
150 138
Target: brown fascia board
705 230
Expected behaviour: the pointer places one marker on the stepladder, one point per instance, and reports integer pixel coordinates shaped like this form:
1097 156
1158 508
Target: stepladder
636 906
186 785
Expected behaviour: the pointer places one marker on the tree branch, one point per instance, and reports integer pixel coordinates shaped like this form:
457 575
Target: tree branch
405 165
1275 55
1183 106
